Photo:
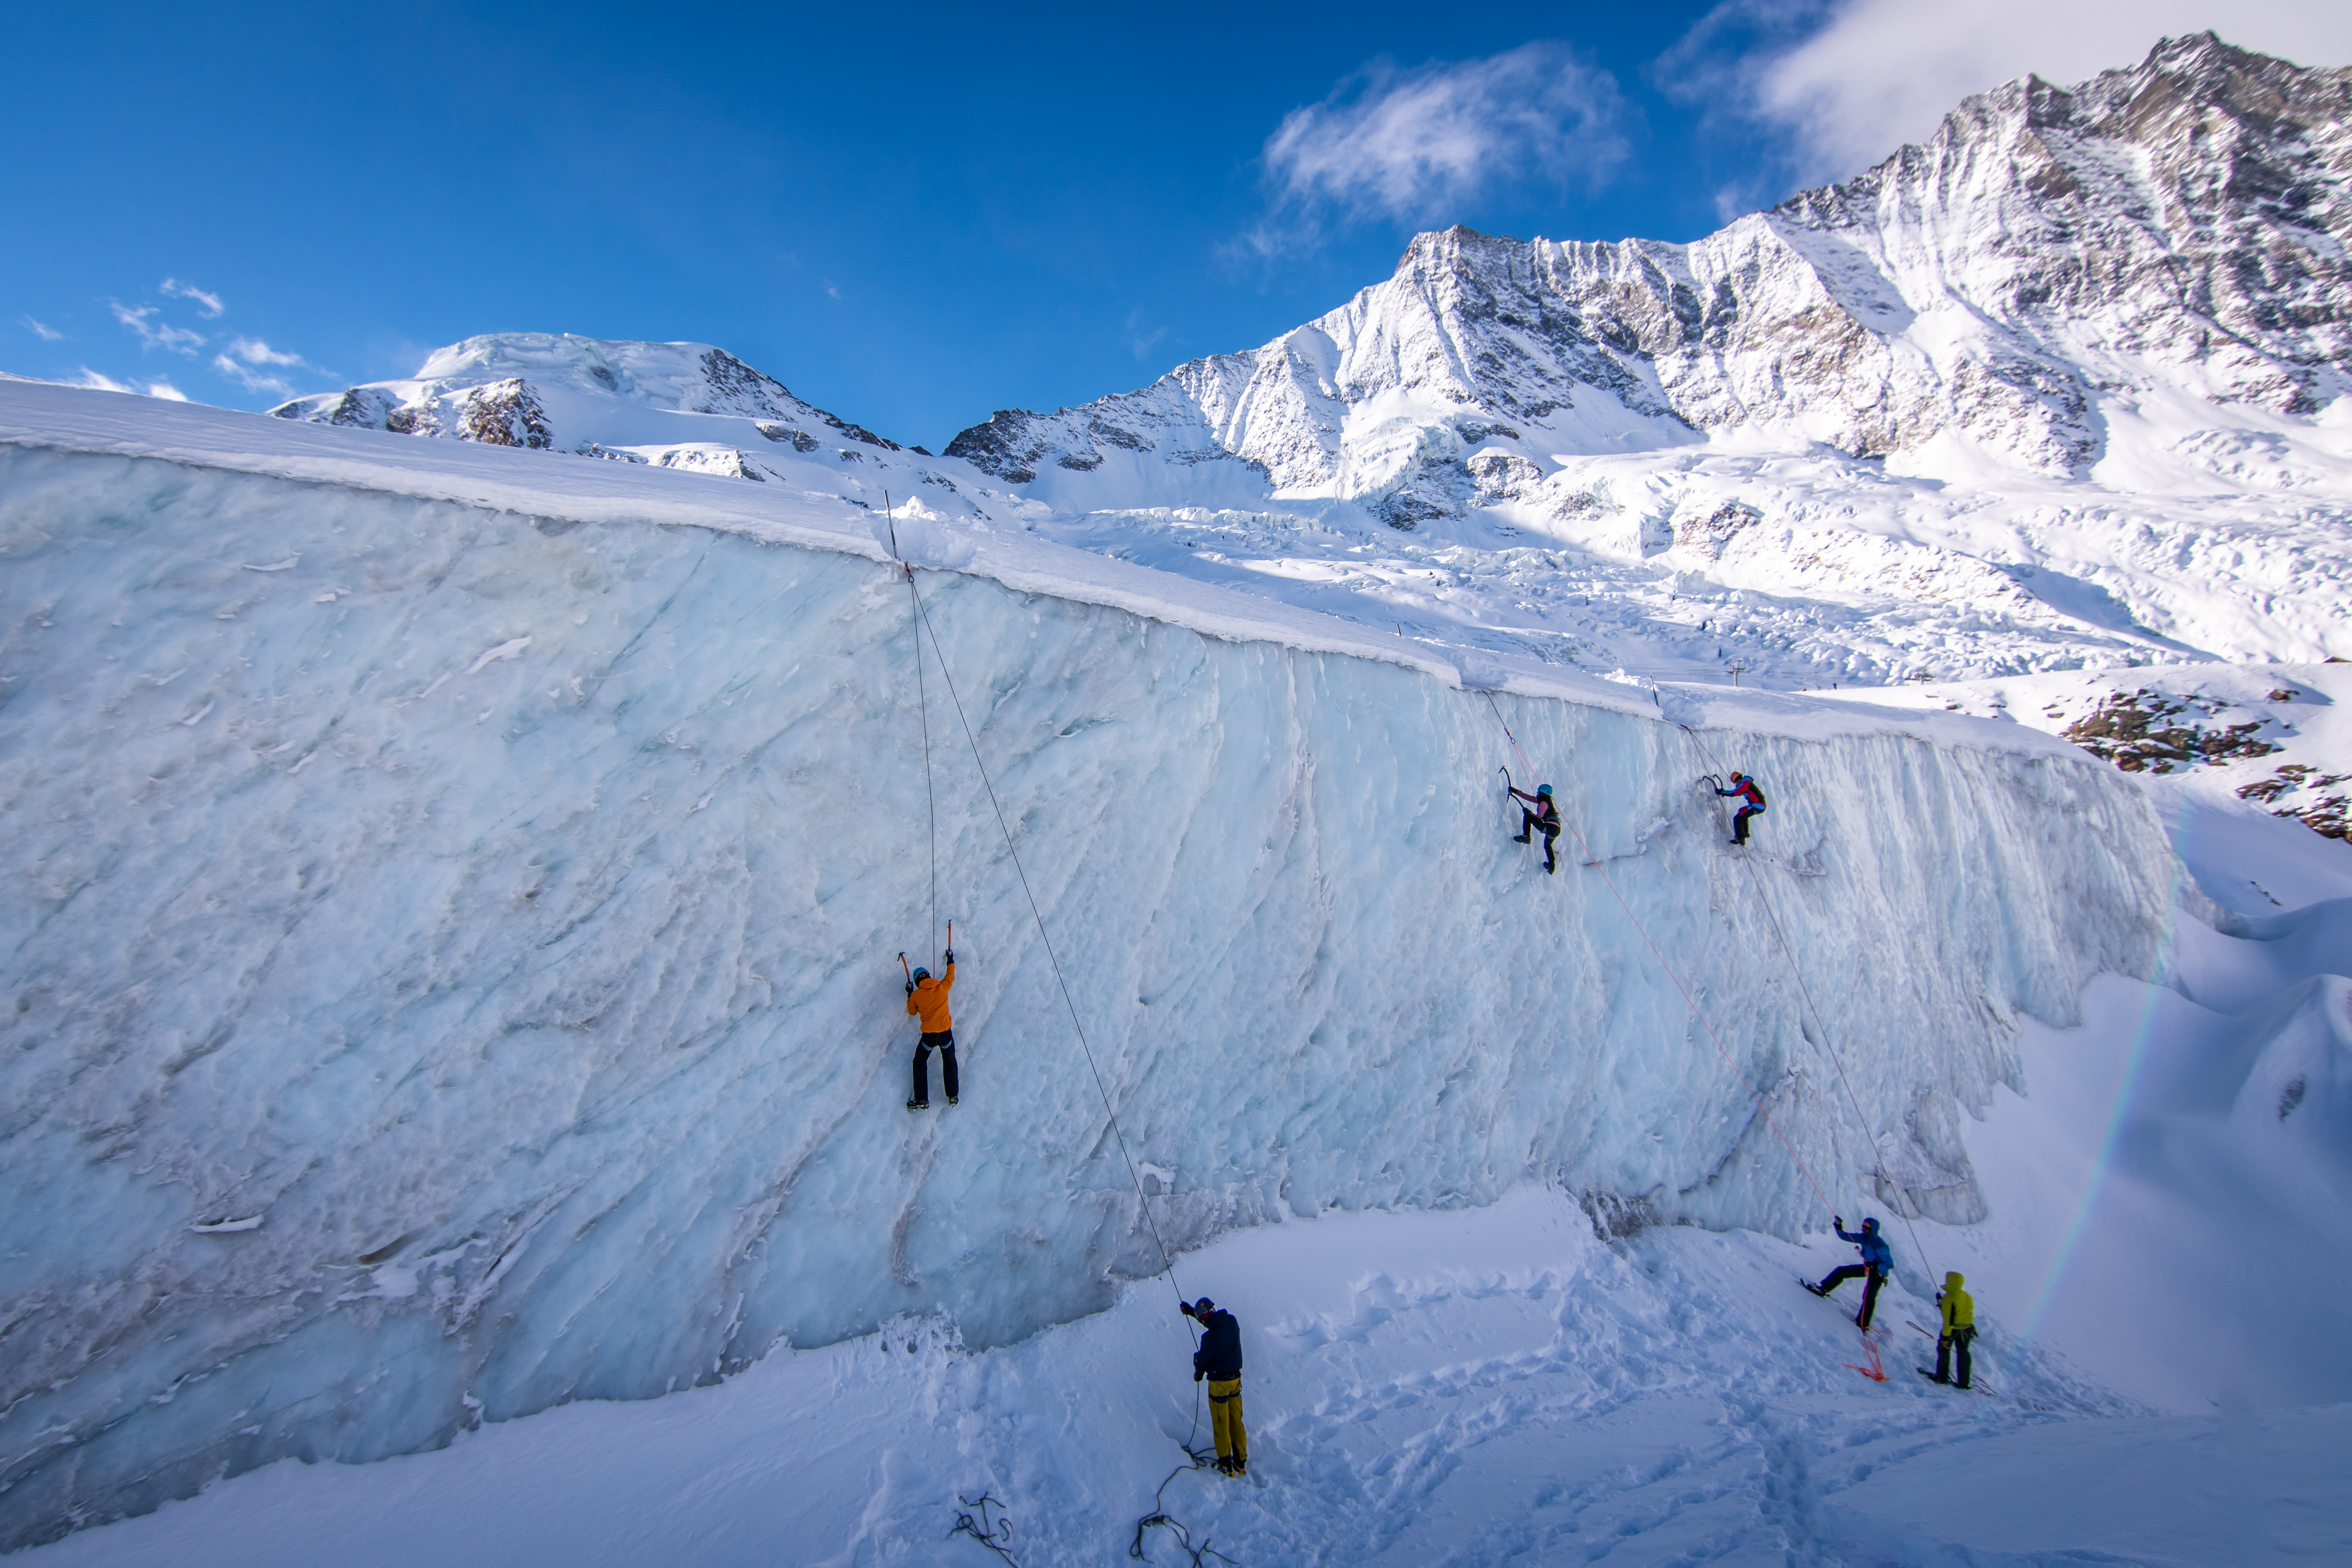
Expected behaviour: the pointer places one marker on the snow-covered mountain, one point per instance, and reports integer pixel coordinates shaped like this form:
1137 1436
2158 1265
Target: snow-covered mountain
689 406
2179 228
2064 383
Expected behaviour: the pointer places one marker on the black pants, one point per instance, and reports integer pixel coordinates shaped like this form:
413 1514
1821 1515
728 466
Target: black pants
945 1042
1954 1348
1529 822
1871 1279
1739 822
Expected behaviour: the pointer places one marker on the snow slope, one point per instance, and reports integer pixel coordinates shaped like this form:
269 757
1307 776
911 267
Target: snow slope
1498 1385
457 891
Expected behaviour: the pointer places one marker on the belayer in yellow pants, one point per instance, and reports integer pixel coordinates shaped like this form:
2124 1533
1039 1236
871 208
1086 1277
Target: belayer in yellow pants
1219 1363
1225 1421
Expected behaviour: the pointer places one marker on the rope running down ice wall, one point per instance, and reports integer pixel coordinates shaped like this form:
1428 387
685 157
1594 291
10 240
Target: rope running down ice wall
1837 1059
1688 1000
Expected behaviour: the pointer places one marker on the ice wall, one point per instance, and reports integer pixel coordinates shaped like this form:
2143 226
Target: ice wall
449 961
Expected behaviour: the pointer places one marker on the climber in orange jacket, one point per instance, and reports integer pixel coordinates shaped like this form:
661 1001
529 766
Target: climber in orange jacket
927 999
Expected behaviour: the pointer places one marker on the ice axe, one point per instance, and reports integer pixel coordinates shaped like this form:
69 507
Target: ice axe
911 974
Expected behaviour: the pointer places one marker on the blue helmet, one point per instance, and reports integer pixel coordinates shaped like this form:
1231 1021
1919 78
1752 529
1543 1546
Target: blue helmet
1543 789
926 974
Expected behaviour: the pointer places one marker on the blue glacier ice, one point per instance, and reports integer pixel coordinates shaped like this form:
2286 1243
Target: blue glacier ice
450 966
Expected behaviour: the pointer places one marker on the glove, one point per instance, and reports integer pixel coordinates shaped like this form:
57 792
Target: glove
1838 1220
1197 1374
951 955
910 988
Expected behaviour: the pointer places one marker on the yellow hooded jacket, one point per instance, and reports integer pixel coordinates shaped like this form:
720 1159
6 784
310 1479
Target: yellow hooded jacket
1959 1309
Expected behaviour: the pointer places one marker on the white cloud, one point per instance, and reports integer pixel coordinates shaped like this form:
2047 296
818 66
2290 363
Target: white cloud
250 379
1879 73
179 339
47 334
1411 143
253 351
208 304
246 359
100 382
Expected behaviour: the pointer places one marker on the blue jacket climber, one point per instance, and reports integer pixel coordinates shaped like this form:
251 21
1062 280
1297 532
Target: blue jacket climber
1874 1251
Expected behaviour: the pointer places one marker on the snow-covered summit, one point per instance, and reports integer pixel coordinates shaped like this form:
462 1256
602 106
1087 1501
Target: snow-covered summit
2060 387
2179 226
686 406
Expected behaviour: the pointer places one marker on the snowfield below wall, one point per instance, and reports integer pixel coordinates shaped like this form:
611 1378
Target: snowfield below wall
453 974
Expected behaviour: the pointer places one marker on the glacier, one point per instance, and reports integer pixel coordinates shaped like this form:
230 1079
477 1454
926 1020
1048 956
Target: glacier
453 969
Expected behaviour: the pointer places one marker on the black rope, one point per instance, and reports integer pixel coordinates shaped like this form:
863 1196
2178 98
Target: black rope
1142 1202
995 1534
1796 970
1158 1519
922 706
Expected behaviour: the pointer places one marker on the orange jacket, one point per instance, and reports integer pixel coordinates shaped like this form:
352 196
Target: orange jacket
929 1002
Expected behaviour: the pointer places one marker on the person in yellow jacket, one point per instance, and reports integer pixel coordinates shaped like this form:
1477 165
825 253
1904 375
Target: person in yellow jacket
927 999
1960 1328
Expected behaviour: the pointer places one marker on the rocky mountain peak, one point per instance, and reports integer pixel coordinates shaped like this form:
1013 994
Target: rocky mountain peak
2178 223
676 404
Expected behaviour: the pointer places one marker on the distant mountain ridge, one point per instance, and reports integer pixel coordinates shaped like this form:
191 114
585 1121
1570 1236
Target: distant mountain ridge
2060 387
595 397
2180 227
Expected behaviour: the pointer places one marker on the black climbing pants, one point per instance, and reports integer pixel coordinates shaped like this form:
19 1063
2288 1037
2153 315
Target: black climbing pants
1952 1357
1531 823
945 1043
1739 822
1871 1279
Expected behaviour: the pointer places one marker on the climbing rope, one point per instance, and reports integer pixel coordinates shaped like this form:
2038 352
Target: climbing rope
923 707
1159 1518
1688 1000
1797 972
996 1534
1142 1202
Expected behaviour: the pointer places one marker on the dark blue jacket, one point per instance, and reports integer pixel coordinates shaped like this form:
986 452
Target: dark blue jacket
1220 1355
1874 1251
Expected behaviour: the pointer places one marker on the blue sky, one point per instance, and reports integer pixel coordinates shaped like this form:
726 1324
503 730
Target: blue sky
912 217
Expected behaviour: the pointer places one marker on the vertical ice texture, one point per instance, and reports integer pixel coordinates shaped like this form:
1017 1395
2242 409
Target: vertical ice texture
449 961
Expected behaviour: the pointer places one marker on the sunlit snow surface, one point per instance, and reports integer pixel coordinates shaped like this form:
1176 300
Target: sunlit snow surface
1497 1385
455 971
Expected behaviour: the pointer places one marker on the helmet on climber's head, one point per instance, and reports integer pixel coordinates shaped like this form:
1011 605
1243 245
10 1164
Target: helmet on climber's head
923 974
1543 789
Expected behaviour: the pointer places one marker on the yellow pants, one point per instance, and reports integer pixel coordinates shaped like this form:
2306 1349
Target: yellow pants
1225 1420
